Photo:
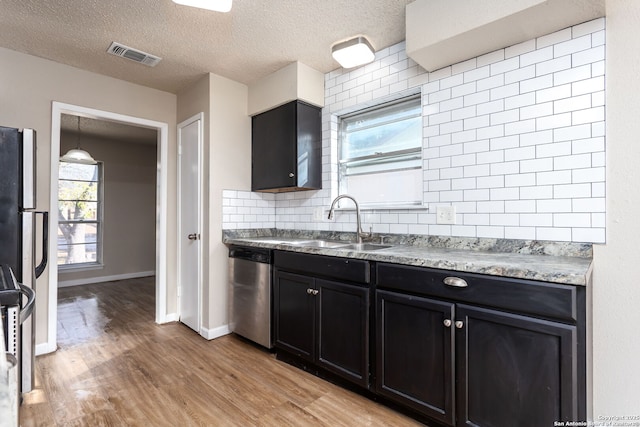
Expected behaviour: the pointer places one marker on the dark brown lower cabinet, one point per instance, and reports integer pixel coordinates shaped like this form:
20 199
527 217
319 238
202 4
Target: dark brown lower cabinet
324 322
415 353
469 366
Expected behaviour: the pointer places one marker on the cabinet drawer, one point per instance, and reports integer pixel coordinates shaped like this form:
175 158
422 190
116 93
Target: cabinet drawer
547 300
351 270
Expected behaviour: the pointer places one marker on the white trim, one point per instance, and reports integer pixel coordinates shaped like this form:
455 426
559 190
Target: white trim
112 278
199 119
171 317
214 333
57 109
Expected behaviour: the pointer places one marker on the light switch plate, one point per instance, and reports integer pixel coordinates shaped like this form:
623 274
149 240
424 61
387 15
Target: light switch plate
445 215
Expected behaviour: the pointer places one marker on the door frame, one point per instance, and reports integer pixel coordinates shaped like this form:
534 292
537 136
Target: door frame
59 108
196 118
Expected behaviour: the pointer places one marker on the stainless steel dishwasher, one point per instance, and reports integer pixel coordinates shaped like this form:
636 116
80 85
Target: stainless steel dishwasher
250 293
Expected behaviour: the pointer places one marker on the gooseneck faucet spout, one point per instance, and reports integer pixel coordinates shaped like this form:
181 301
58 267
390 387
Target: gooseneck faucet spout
359 231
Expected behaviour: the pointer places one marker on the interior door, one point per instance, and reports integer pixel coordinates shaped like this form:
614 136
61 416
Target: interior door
190 222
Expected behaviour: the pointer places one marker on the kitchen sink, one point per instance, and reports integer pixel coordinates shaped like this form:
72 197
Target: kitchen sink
321 244
365 247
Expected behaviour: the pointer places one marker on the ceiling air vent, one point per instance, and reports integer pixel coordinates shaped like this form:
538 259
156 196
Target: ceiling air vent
127 52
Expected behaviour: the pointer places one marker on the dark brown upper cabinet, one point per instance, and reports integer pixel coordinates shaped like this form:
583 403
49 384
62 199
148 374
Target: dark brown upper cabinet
286 149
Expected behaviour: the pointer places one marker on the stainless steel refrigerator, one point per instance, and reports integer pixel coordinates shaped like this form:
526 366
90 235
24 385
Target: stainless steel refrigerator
18 230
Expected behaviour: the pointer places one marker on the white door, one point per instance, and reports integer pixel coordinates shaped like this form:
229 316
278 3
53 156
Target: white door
189 220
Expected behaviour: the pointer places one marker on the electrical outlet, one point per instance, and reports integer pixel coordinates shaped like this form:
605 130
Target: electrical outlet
445 215
319 214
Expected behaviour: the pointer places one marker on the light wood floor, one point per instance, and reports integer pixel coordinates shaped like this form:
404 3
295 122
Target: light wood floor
116 367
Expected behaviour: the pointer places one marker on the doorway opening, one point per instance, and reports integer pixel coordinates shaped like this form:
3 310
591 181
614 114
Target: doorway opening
161 232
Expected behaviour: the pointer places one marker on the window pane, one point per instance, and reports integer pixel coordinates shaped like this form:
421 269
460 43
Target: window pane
78 172
380 153
77 210
79 205
77 190
387 188
387 129
76 254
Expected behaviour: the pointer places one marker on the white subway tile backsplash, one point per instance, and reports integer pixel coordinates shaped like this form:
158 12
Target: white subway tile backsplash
515 139
524 233
572 75
554 65
572 104
461 67
520 48
572 46
504 66
589 115
553 38
595 235
594 84
520 74
538 55
491 57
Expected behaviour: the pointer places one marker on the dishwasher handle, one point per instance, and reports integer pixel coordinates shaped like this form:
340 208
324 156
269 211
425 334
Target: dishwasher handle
261 255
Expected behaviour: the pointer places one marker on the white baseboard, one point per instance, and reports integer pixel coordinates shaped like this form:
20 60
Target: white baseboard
90 280
45 348
170 317
214 333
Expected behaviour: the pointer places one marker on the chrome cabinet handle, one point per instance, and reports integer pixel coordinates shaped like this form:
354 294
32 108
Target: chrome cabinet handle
459 324
447 322
455 282
291 175
309 291
193 236
315 292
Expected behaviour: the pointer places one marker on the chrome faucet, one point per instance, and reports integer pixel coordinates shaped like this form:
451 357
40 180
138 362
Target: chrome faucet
359 231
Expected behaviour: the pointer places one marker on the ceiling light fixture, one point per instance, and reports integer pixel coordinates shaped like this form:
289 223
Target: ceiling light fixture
77 155
353 52
215 5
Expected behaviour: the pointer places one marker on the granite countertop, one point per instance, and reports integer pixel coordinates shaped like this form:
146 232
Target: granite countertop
555 262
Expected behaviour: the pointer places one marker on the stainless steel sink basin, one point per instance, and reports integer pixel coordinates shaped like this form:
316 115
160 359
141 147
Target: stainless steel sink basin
365 247
321 244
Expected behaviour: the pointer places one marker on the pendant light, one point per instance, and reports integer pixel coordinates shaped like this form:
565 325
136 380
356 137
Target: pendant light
77 155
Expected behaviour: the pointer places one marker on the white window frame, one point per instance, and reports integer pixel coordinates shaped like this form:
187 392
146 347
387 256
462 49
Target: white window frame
99 221
408 156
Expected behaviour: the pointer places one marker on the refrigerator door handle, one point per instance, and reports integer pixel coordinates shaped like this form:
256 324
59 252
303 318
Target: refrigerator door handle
26 311
29 169
45 244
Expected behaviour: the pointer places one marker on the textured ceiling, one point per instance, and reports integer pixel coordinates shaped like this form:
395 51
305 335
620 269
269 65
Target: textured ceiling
256 38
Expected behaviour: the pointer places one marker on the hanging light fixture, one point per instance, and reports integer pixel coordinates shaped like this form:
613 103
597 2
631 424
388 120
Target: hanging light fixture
353 52
215 5
77 155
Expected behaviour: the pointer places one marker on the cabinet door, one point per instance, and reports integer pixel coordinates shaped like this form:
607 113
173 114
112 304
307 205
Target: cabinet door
414 350
343 330
294 314
514 370
273 148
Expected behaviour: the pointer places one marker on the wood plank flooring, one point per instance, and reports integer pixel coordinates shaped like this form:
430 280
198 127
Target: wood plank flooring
116 367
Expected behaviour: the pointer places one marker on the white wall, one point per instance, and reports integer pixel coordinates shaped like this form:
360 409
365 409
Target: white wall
514 139
29 85
227 154
616 293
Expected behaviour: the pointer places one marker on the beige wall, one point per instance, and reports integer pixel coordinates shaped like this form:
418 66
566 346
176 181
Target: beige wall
616 289
227 164
29 85
129 231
